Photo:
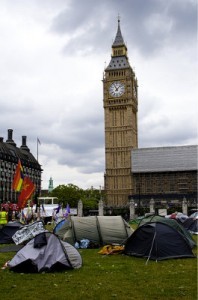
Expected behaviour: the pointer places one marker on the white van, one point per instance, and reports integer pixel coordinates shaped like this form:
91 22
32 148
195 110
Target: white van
48 200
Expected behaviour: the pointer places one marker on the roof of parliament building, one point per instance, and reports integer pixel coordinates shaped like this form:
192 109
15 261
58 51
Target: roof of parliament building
10 152
164 159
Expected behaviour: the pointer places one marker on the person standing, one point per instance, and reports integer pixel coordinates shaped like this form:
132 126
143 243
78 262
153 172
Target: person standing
3 217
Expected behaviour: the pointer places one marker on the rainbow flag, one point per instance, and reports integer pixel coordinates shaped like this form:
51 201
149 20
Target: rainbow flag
18 178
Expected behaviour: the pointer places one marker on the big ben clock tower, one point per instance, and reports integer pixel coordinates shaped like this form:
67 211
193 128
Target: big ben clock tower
120 113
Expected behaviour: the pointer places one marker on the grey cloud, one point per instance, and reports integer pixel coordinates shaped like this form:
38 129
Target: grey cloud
172 22
167 133
89 161
80 138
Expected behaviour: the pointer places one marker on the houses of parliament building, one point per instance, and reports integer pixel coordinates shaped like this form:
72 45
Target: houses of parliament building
161 173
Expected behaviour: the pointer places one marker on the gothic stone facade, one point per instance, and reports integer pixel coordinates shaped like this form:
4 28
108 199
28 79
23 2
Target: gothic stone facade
120 110
9 156
164 174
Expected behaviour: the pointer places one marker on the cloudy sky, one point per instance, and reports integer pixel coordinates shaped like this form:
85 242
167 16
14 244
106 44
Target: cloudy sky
52 57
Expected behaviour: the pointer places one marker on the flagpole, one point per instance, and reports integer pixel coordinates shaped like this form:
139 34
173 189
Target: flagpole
37 149
38 142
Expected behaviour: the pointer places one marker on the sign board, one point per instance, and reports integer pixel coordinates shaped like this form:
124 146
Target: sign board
162 212
73 211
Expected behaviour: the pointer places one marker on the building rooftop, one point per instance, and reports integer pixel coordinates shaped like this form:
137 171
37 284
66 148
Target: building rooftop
10 152
164 159
119 62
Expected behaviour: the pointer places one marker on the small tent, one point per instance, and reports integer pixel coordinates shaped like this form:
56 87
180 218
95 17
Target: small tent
101 230
8 230
157 241
191 224
45 253
171 222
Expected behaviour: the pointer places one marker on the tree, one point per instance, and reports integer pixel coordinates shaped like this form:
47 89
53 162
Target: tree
90 198
69 193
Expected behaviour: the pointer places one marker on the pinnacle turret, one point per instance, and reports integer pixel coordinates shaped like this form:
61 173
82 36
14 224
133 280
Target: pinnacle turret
119 41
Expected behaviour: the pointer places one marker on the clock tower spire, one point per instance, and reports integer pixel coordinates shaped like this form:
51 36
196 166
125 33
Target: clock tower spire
118 39
120 110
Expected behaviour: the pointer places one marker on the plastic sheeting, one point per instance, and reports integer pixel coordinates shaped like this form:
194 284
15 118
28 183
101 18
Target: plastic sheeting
27 232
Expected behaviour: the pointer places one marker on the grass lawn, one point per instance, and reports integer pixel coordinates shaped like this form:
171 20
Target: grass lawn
105 277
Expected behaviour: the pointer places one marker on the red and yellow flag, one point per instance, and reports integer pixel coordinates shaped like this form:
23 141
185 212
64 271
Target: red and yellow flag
18 178
27 190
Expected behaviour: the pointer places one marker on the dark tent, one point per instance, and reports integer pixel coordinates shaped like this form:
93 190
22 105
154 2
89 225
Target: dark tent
171 222
8 230
45 253
157 241
191 224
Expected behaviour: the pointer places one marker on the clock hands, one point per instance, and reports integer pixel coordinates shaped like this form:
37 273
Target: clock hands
117 89
115 85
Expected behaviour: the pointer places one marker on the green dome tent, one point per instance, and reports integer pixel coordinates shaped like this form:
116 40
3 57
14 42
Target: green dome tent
101 230
172 223
158 241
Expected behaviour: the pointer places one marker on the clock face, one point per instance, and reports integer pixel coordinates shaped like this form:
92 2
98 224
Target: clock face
116 89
